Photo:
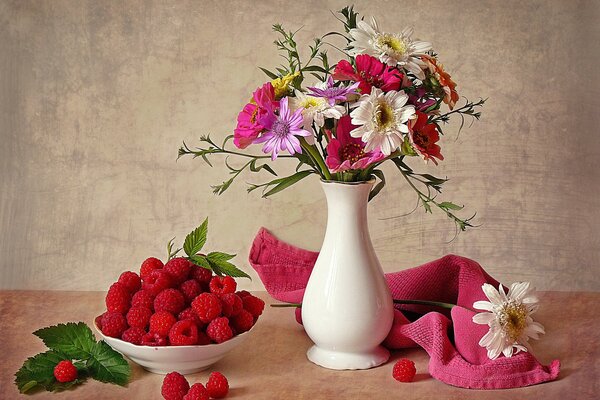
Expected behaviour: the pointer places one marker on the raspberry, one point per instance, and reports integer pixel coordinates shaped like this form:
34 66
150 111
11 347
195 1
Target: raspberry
98 321
133 335
157 281
404 370
131 281
138 317
243 293
179 269
203 338
232 304
190 289
170 300
243 321
154 339
161 322
183 333
117 298
254 305
190 314
65 371
174 386
150 265
197 392
222 285
207 307
113 324
219 330
217 385
144 299
202 275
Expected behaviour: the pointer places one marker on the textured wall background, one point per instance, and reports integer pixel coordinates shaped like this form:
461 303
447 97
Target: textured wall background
95 98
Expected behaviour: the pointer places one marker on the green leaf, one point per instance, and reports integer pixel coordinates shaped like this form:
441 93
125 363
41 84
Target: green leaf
286 182
379 186
75 341
447 205
196 239
427 206
38 373
107 365
268 73
200 261
220 264
266 167
407 149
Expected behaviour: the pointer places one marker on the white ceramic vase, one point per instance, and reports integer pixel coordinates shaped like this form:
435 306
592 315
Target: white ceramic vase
347 309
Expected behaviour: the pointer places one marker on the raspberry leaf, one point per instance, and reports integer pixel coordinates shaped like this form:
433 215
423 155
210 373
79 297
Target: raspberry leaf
219 263
106 365
75 341
200 261
38 373
196 239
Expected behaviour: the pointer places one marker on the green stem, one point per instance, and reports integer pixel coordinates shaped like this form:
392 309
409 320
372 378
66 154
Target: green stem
426 303
314 154
282 305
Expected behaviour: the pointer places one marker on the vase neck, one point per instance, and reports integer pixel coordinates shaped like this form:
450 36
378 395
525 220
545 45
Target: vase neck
347 200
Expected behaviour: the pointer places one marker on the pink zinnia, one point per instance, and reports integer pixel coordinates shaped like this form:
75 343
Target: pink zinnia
250 118
282 129
369 72
345 152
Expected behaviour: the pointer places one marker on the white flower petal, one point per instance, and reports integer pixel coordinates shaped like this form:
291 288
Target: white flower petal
492 294
483 318
483 305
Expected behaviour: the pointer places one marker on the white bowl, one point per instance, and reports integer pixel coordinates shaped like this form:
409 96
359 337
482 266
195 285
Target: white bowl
165 359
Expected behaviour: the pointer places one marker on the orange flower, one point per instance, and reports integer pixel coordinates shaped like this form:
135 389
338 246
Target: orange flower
443 78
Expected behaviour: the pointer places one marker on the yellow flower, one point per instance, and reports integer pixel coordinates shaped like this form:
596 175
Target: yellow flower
282 85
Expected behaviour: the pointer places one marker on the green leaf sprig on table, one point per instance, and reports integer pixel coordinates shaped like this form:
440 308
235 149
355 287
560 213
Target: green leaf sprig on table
215 261
74 342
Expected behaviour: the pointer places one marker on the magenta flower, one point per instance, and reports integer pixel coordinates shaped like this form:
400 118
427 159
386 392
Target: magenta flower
345 152
249 124
281 130
369 72
420 100
332 93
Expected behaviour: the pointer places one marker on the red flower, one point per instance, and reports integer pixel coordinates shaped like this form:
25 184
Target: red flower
423 138
369 72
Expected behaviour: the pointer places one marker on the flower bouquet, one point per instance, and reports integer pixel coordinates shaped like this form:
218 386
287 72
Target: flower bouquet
387 99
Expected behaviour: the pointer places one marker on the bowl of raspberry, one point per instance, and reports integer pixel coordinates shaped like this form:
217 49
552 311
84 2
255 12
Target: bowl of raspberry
176 316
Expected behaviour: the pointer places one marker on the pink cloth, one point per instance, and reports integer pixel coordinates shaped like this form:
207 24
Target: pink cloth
285 269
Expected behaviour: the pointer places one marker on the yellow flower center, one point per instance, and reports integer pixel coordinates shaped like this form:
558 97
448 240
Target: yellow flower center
352 152
384 115
513 318
392 43
309 102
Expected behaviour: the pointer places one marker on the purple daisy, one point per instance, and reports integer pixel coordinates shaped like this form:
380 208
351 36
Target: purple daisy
332 93
282 130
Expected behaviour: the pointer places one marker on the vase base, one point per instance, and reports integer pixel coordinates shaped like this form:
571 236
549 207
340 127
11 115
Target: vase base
343 360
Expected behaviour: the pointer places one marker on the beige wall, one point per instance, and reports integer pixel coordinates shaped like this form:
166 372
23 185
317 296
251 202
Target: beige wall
95 98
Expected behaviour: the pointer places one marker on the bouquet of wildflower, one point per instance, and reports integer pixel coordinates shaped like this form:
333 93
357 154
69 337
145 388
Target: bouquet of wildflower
382 102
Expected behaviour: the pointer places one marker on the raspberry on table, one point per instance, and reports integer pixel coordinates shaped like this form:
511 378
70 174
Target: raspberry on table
118 298
207 306
174 386
161 322
197 392
183 333
138 317
170 300
232 304
113 324
243 322
219 330
190 289
190 314
202 275
404 370
131 281
143 298
150 265
133 335
65 371
217 385
222 285
157 281
154 339
179 269
254 305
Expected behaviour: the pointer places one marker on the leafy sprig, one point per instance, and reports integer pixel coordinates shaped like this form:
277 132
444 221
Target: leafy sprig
73 342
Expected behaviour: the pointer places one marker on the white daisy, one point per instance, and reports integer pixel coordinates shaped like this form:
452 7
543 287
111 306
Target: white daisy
391 48
509 319
381 118
316 109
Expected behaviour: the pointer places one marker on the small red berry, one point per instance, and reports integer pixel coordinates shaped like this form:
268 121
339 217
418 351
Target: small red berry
174 386
179 269
133 335
154 339
217 385
144 299
203 338
243 293
190 314
113 324
404 370
150 265
243 321
157 281
131 281
161 322
139 317
65 371
219 330
170 300
207 306
254 305
118 298
190 289
183 333
202 275
232 304
222 285
197 392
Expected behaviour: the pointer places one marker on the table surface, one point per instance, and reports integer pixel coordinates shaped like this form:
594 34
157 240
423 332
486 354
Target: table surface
272 363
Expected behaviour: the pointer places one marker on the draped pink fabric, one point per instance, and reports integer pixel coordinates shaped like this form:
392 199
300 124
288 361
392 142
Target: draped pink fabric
284 269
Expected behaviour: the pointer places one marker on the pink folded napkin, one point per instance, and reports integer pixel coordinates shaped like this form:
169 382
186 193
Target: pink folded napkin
285 269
